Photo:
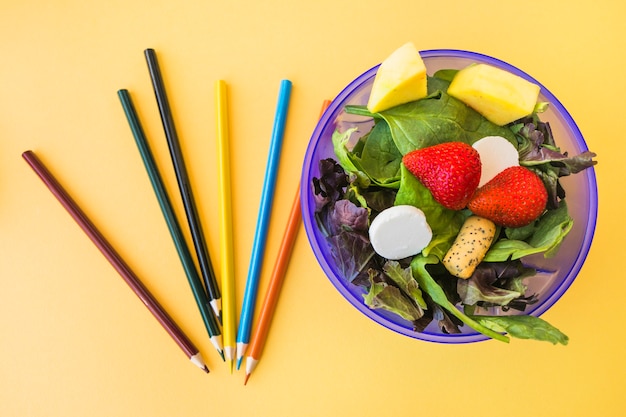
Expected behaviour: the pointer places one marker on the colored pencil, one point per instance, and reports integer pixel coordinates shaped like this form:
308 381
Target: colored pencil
227 272
259 337
206 268
260 236
115 259
170 217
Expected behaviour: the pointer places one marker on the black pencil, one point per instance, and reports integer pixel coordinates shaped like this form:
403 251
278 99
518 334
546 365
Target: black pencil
204 260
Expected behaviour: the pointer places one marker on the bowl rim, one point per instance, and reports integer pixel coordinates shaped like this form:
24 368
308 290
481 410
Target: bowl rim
306 198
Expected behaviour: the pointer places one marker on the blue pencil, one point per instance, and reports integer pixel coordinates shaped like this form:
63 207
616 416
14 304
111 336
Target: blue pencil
258 245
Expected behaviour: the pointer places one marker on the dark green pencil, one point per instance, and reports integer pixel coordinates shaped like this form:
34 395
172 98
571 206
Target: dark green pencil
168 212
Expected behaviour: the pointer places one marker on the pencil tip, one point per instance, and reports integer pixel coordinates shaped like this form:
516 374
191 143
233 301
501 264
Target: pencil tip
245 382
222 355
206 369
231 366
239 362
216 306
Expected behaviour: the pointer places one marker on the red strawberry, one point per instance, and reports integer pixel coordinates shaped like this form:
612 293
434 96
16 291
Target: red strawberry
450 171
513 198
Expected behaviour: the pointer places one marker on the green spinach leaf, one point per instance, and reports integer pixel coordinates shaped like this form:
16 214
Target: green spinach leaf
547 237
430 286
380 159
436 119
375 156
524 327
446 74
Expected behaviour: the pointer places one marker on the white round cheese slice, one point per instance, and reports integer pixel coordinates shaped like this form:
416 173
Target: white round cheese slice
400 231
496 155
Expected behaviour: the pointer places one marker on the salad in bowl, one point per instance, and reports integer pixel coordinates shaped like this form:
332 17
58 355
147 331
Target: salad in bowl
450 197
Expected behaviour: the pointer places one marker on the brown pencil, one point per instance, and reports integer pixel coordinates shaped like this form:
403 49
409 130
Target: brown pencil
114 258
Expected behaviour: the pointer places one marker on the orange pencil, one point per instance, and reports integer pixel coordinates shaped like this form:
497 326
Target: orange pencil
278 274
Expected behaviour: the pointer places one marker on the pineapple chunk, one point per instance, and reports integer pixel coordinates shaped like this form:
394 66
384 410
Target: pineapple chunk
401 78
500 96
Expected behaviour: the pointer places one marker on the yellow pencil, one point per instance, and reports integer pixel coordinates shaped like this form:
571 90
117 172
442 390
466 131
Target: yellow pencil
226 222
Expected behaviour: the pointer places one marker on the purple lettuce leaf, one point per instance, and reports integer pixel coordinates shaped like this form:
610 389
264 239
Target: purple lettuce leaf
497 284
329 187
343 223
539 152
538 146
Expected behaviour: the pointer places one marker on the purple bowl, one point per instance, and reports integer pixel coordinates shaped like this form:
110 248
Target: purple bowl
555 274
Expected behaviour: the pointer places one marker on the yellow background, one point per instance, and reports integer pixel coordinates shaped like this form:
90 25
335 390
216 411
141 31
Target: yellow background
74 341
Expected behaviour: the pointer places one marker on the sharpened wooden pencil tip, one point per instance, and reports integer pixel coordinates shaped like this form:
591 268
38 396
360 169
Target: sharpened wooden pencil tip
246 380
206 369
